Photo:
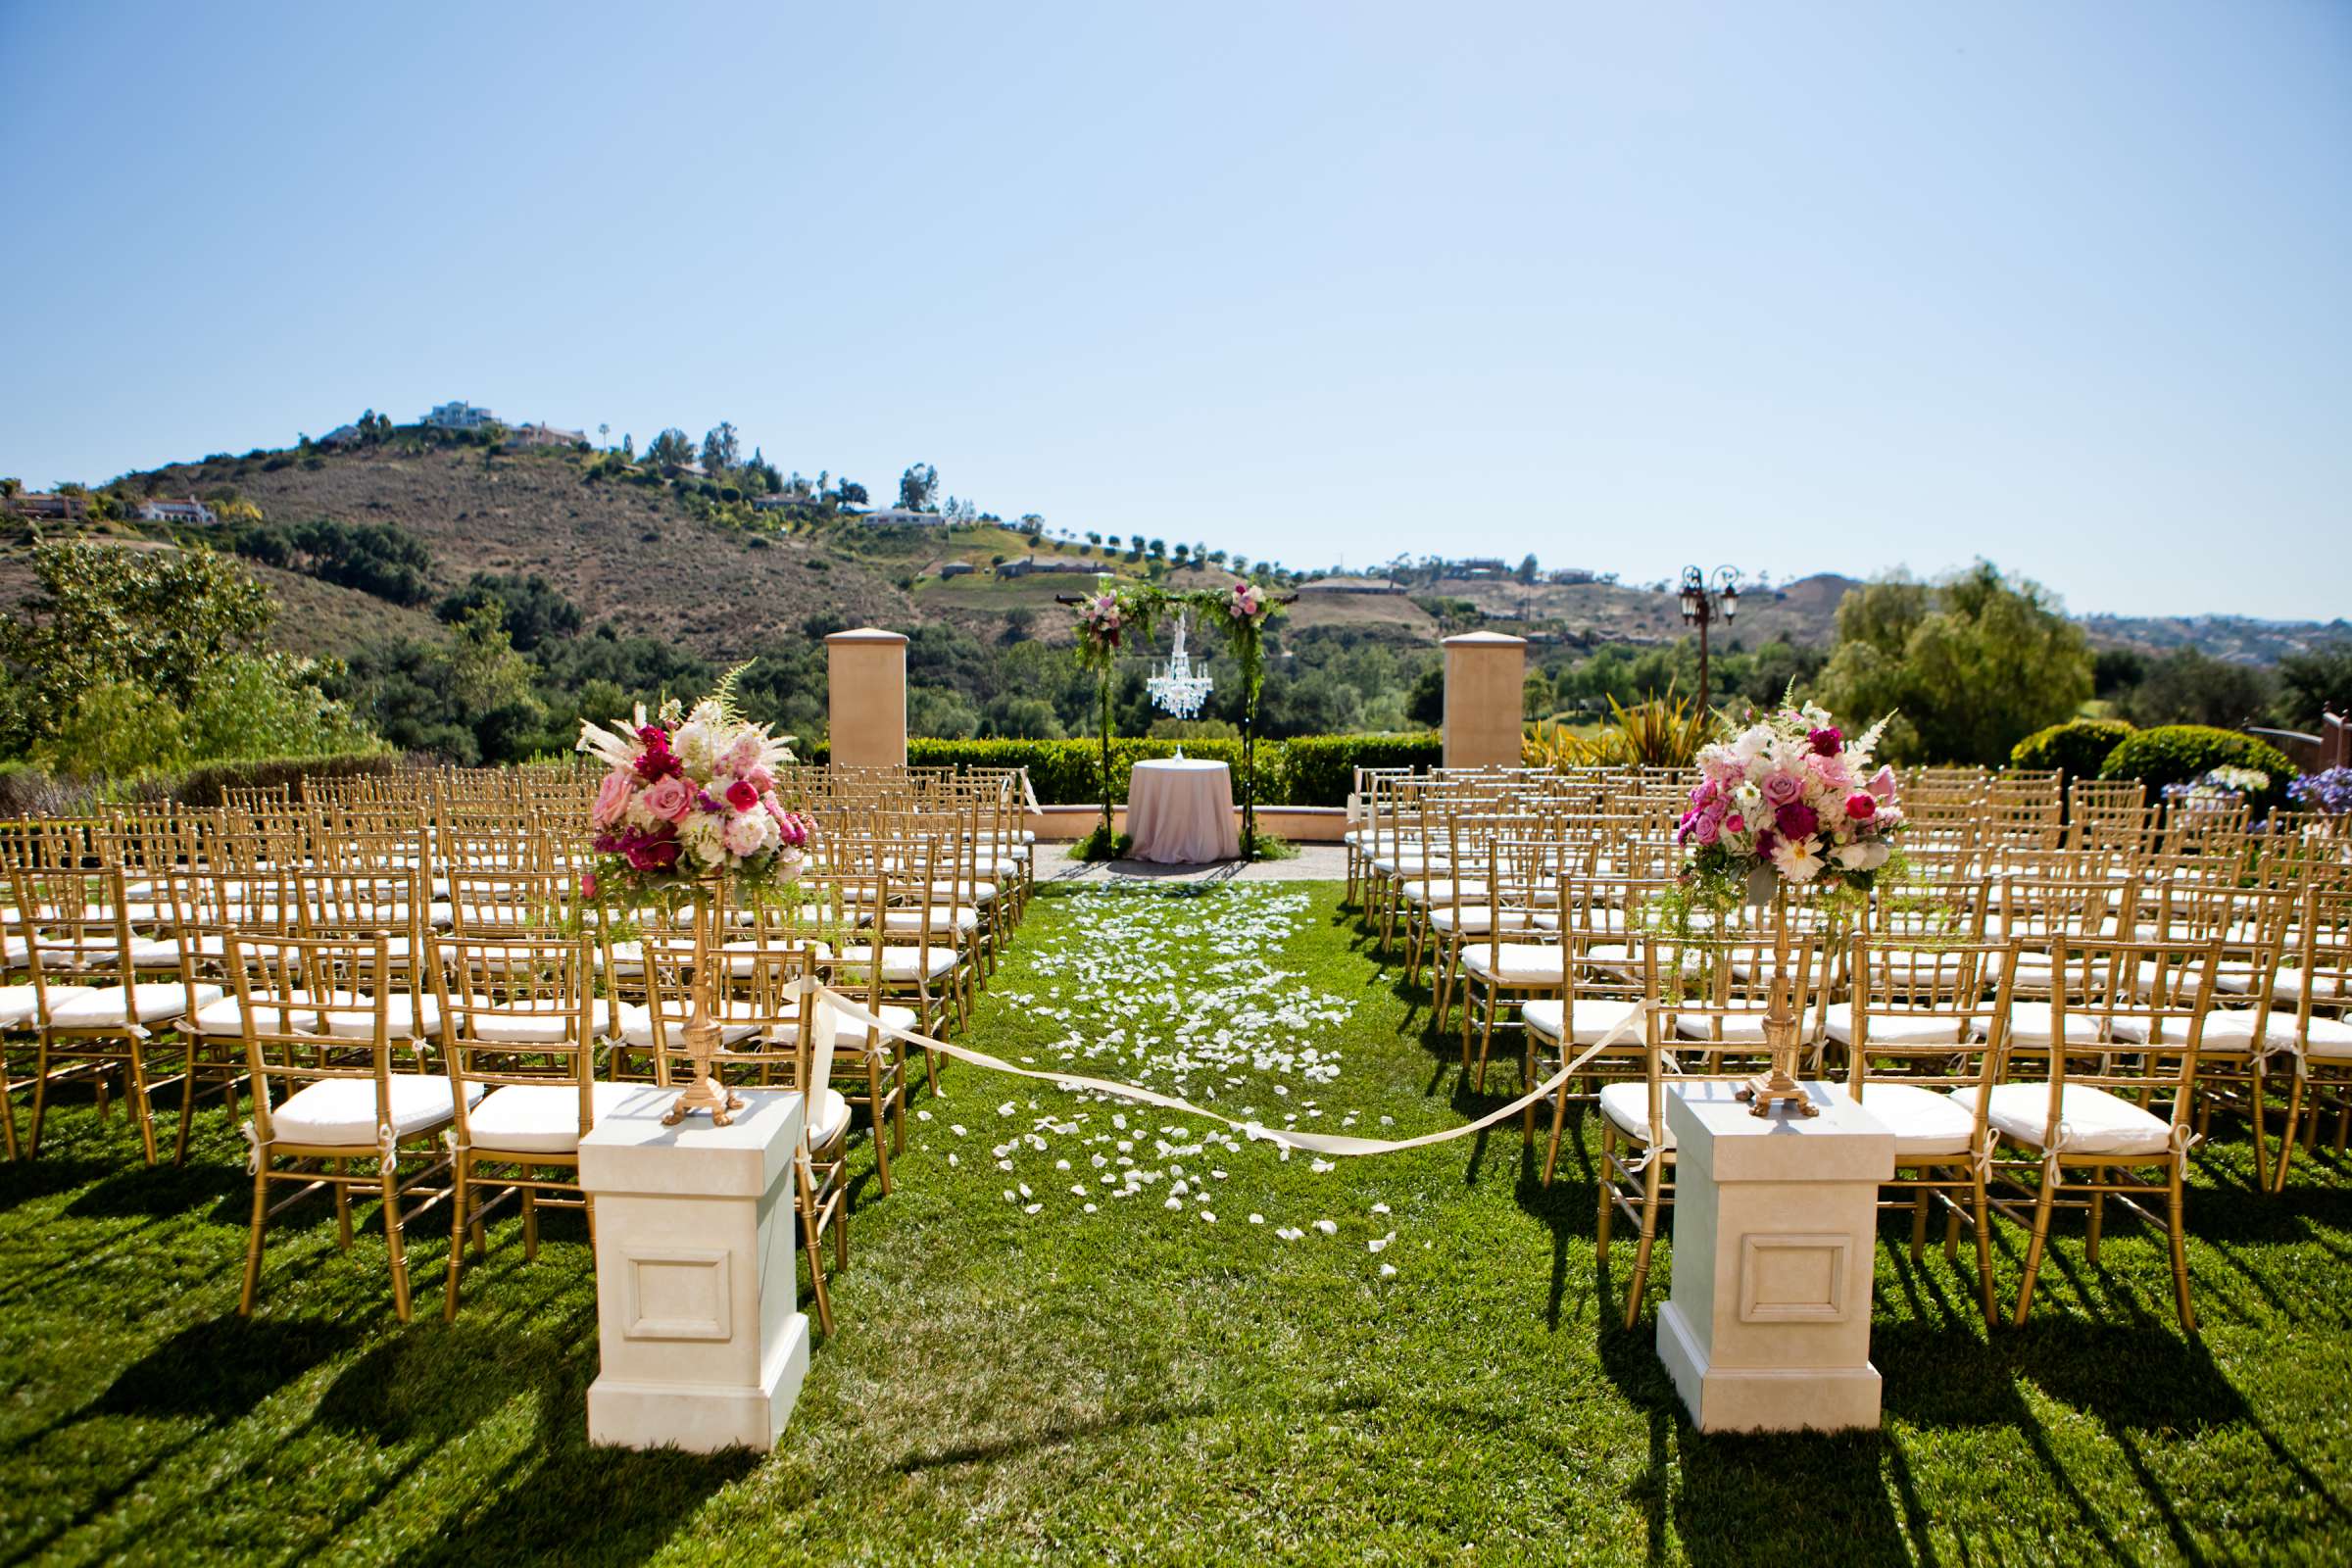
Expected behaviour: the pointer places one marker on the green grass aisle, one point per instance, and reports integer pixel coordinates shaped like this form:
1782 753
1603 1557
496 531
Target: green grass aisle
1437 1375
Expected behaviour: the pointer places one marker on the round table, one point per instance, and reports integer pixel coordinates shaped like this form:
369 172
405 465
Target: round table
1179 812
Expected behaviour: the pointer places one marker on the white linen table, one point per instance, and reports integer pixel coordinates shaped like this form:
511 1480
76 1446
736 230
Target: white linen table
1179 812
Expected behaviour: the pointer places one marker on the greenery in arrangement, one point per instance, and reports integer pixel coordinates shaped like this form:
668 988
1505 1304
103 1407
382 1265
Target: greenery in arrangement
2080 746
2180 754
1143 1385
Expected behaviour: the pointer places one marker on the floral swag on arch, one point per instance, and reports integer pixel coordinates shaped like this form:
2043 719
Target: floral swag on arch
1113 611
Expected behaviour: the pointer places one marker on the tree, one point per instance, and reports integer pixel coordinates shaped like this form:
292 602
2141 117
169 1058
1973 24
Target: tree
670 451
721 450
917 486
850 493
2316 681
2190 687
1971 665
604 432
532 610
153 618
1527 569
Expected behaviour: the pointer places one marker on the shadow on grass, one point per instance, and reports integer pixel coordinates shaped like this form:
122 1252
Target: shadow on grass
219 1369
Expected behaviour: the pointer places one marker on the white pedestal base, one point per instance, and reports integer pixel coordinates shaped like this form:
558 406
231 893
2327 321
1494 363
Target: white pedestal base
703 1343
1775 1240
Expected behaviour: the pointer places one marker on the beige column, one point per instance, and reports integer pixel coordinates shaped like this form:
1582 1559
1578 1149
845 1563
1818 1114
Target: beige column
1485 671
866 680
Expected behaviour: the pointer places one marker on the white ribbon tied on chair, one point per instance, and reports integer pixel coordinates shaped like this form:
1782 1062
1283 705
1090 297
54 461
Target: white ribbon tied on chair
389 1159
253 1148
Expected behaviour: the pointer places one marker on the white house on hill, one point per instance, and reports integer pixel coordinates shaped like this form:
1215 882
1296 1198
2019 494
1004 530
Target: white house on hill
457 414
189 510
902 517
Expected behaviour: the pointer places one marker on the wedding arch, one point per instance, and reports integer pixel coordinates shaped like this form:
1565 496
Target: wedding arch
1241 613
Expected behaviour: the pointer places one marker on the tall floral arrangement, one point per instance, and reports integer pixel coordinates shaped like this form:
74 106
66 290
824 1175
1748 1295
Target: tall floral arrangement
1246 612
688 797
1104 617
1790 801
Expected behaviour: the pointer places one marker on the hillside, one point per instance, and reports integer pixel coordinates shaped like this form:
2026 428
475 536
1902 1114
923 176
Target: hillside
637 554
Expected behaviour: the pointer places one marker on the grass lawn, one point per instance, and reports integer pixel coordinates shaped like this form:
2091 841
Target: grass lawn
1016 1377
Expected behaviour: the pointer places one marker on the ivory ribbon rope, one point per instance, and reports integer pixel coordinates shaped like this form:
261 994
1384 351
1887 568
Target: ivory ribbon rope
1307 1143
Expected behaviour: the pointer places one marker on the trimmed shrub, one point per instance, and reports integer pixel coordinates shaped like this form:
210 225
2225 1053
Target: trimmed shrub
2176 753
2080 746
209 784
1320 769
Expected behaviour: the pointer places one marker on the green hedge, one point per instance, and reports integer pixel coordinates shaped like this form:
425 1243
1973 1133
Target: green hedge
2176 753
2080 746
209 783
1320 769
1310 770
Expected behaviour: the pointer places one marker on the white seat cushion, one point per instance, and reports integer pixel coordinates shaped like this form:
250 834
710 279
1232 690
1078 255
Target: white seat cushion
1479 917
903 965
2230 1031
1627 1103
2090 1121
106 1007
18 1003
1900 1028
541 1119
225 1018
405 1017
1738 1028
1441 889
1595 1017
342 1111
960 921
2287 989
1927 1124
636 1026
1515 963
828 1117
2030 1025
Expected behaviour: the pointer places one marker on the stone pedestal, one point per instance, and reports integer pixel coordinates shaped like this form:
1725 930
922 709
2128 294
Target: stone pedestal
1486 673
866 697
698 1317
1775 1237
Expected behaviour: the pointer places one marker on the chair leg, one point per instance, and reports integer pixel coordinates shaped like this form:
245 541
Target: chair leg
401 1304
253 1242
531 1217
1652 1181
2094 1227
459 1195
1486 1036
881 1135
1981 1206
815 1247
343 1206
2262 1146
1560 1120
40 1097
187 1099
143 1106
1607 1184
2287 1134
2043 1197
2180 1241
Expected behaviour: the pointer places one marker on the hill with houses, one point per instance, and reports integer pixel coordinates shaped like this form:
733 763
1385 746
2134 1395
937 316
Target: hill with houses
659 545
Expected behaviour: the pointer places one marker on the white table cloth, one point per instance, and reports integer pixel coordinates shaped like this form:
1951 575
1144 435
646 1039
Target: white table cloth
1179 812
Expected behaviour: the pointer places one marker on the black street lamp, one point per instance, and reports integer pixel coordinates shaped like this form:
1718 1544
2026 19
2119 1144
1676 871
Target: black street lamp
1702 603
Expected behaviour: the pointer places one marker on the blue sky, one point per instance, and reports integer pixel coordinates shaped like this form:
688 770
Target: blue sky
1791 286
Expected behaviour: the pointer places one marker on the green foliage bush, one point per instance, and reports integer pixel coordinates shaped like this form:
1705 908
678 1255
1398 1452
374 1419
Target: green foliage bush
208 784
2080 746
1320 769
2176 753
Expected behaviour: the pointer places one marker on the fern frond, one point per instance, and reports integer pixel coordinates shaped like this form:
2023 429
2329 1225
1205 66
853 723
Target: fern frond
723 694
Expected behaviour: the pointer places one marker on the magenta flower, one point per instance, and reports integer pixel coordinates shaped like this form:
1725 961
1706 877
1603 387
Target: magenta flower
1827 742
1798 820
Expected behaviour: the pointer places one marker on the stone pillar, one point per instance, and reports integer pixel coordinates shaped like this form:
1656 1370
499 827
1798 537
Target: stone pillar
698 1327
1485 671
867 678
1775 1237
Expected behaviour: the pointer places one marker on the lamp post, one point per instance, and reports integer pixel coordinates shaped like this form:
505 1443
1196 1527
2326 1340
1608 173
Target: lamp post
1703 600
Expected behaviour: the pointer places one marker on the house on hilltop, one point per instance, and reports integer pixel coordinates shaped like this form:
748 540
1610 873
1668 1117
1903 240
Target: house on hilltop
1028 566
189 510
544 435
458 415
46 504
903 517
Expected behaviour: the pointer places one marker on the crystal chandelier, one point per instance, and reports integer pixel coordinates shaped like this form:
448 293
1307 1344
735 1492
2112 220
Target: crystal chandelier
1178 690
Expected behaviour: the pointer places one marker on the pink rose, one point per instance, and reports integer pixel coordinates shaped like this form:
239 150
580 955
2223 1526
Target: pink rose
761 779
1881 784
741 794
1861 805
671 799
612 798
1708 830
1781 789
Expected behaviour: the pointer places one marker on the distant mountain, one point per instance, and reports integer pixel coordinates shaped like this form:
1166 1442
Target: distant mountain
2238 638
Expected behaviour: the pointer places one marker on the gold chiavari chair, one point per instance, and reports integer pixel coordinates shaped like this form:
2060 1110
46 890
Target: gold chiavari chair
1518 958
1924 1018
519 1048
329 1108
122 996
2319 987
2109 1119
